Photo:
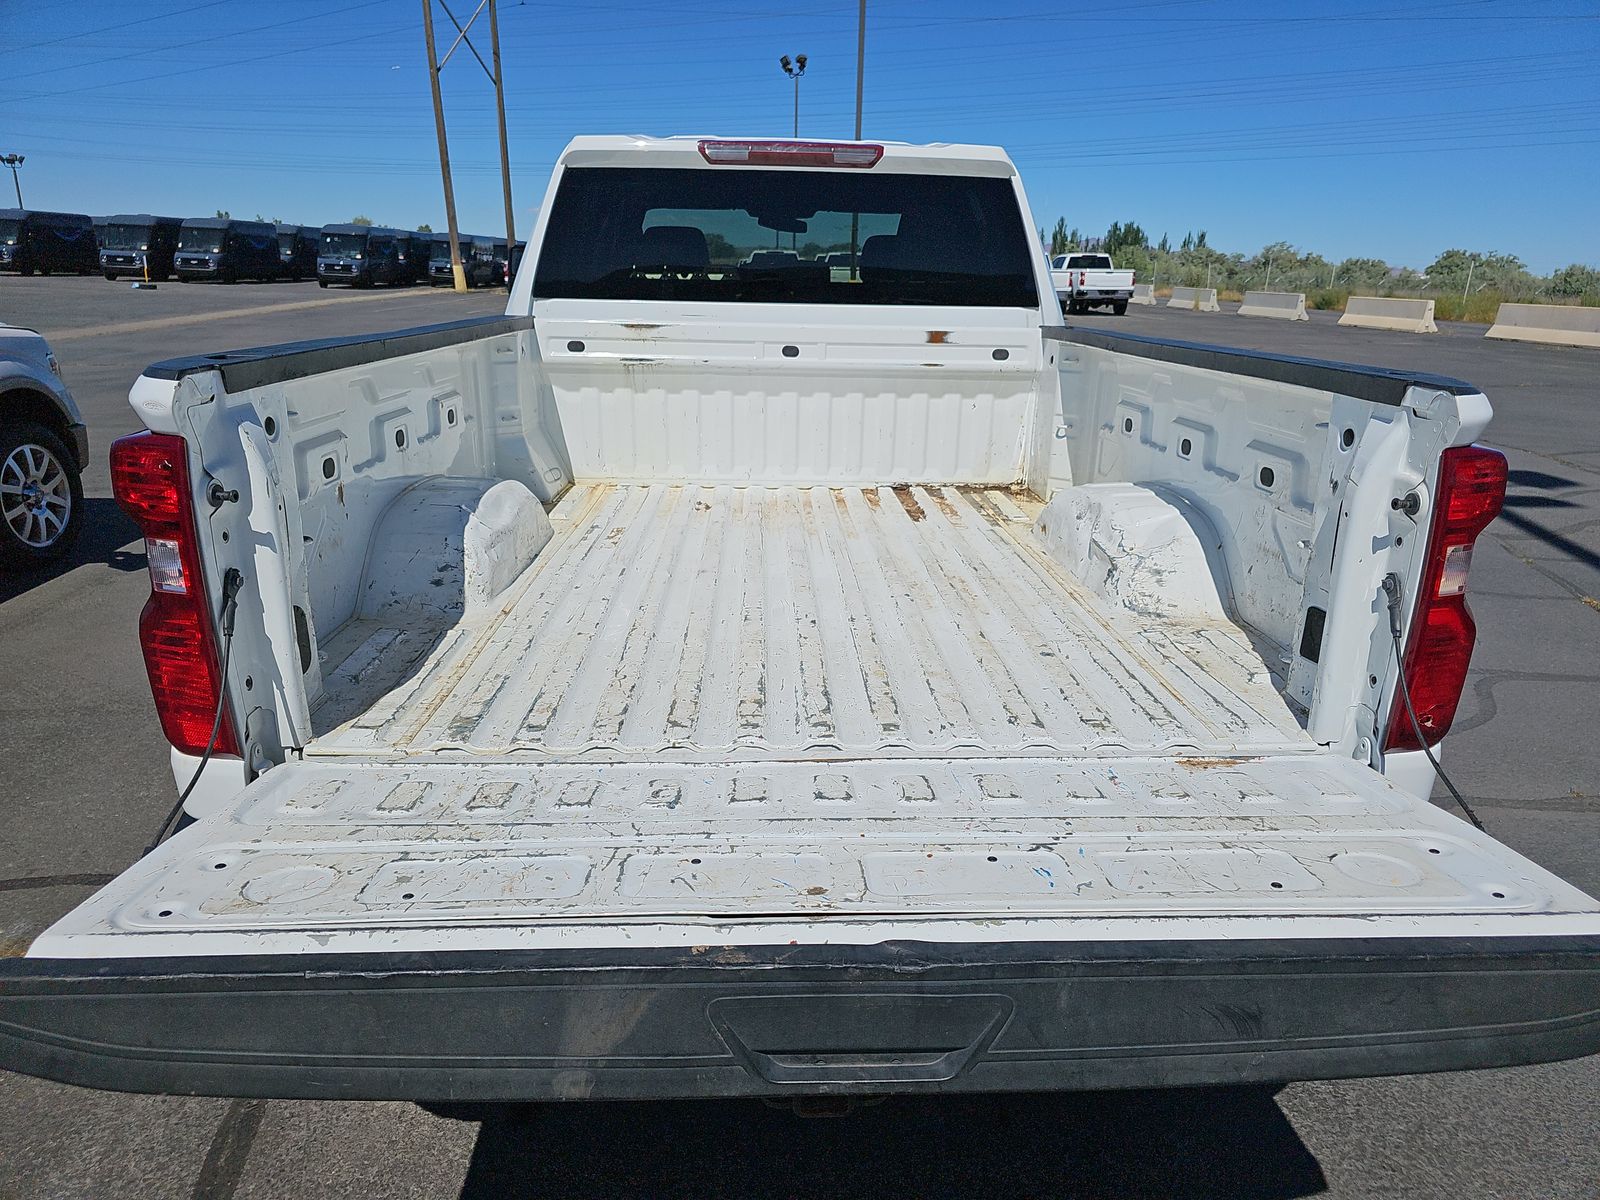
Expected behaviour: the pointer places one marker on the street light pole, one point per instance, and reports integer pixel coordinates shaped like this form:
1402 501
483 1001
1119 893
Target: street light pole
794 70
861 71
861 63
14 161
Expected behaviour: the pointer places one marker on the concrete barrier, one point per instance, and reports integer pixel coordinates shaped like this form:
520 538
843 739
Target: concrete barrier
1552 324
1143 293
1380 312
1286 306
1198 299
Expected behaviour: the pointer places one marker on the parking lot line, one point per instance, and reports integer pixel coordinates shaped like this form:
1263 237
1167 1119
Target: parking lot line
221 315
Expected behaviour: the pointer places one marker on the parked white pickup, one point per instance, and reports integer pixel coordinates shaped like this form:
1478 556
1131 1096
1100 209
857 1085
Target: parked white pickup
727 678
1085 281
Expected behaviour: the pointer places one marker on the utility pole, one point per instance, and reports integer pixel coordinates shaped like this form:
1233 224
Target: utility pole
505 156
437 64
456 271
14 161
794 70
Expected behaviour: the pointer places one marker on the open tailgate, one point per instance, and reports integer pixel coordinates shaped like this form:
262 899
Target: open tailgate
429 931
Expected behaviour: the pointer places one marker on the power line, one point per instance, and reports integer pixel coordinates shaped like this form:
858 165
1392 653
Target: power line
73 37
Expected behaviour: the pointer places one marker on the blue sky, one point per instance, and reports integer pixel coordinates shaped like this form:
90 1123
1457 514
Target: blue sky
1350 127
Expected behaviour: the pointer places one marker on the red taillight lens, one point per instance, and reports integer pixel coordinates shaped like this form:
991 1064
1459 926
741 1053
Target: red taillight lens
150 479
791 154
145 475
1471 489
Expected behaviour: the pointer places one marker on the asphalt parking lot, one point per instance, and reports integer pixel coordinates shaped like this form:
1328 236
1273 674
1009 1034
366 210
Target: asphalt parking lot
84 780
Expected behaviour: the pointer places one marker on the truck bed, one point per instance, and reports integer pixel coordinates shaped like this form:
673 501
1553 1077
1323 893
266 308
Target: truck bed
800 710
708 623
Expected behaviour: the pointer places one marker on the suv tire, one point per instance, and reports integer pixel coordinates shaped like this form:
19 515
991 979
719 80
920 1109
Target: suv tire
41 495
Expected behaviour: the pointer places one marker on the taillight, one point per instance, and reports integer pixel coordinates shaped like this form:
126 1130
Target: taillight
1470 491
150 479
791 154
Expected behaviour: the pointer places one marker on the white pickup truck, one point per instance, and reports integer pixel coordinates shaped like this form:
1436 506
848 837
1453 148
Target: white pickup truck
708 680
1085 281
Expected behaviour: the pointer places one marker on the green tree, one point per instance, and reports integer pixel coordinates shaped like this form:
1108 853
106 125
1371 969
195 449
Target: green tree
1466 270
1120 238
1575 280
424 228
1165 247
1058 237
360 220
720 249
224 215
1452 269
1363 273
1200 241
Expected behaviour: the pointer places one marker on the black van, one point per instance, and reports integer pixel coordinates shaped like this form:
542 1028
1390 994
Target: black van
47 241
423 248
219 248
497 270
439 257
362 255
297 251
484 260
413 251
136 243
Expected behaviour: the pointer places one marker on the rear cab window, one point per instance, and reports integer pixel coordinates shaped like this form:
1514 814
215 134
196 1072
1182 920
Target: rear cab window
747 235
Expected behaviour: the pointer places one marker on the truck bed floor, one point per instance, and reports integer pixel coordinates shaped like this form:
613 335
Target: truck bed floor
714 623
711 714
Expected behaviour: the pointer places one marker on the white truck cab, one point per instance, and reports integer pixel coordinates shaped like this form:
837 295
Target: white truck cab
736 672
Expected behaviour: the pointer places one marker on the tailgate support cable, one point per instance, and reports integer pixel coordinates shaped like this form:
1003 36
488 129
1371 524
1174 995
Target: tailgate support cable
1392 594
232 582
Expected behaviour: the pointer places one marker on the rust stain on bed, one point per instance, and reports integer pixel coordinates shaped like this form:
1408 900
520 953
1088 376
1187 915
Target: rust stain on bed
938 337
902 493
945 506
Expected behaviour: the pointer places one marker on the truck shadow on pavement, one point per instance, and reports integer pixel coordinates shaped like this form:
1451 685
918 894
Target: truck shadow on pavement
106 530
1182 1144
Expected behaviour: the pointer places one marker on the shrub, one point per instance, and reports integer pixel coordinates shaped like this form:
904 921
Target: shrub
1480 306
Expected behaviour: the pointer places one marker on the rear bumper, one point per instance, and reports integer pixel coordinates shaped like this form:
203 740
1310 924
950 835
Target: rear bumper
735 1021
1096 297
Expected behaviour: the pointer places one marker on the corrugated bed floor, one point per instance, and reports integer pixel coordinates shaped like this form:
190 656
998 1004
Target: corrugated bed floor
716 623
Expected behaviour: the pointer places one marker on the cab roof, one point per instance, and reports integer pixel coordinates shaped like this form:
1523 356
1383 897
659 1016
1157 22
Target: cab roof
19 214
637 150
380 230
140 219
224 222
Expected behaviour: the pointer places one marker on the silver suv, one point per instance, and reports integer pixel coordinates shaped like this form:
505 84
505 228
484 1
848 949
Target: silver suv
43 446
